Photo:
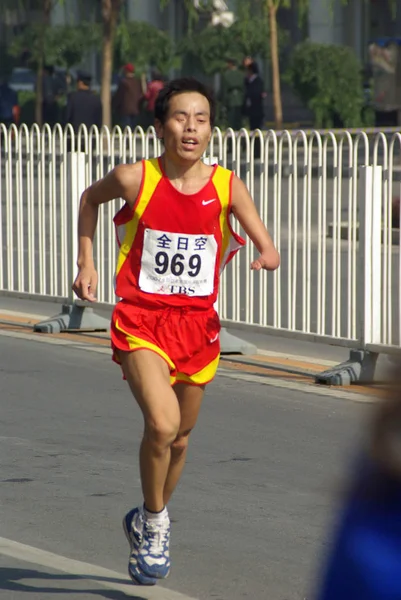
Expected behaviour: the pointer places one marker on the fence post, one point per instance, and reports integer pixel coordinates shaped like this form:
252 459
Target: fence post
360 367
76 315
370 260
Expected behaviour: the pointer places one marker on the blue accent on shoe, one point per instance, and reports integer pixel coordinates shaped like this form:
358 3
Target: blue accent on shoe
135 536
154 555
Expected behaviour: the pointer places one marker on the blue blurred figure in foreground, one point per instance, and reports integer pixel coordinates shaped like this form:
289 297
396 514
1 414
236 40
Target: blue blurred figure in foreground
365 559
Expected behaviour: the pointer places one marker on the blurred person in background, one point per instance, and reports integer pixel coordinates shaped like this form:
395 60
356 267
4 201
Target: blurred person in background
364 562
154 86
254 97
49 97
126 100
84 107
248 60
9 108
232 94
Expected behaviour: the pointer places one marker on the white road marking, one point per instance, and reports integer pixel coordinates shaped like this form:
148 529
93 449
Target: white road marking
86 571
282 383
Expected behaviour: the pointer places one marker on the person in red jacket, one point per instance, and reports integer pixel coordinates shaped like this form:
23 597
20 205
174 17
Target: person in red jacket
154 86
126 100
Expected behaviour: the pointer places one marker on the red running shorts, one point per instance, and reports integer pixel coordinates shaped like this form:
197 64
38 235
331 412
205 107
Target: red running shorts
187 339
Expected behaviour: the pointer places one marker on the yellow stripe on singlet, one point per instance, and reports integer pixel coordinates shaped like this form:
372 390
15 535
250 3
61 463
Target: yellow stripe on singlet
221 181
151 178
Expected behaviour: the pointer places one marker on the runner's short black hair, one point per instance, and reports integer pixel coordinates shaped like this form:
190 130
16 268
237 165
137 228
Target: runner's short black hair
180 86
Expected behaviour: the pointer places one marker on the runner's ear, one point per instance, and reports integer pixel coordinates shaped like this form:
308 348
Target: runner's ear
159 129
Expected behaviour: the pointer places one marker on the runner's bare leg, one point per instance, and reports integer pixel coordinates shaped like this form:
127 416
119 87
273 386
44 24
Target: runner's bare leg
190 400
149 379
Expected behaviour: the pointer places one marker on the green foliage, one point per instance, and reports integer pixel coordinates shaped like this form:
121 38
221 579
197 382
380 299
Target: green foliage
211 47
328 79
145 45
61 45
69 44
250 31
303 5
26 102
7 61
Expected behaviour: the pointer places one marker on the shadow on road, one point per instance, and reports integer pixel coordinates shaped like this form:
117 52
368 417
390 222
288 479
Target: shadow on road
11 579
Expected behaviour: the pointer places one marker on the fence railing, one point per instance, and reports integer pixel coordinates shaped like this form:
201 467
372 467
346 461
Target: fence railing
328 201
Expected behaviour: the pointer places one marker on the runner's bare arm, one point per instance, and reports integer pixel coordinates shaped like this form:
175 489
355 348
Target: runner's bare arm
245 211
122 182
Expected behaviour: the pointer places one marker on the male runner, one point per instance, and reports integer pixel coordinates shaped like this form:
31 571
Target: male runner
175 237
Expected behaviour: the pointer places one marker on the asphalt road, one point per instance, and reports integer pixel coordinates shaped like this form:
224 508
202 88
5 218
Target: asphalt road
250 519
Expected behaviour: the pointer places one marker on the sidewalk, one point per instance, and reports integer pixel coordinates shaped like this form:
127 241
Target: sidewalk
266 366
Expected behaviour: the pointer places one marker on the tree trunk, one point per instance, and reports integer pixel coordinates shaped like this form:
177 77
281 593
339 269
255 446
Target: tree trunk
47 6
278 109
39 92
110 10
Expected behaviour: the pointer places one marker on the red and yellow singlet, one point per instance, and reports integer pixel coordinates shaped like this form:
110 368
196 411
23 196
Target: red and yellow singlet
173 246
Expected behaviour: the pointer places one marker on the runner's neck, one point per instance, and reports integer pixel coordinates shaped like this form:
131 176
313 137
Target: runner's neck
184 172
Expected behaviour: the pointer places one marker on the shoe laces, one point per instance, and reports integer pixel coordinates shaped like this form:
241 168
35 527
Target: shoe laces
156 536
138 522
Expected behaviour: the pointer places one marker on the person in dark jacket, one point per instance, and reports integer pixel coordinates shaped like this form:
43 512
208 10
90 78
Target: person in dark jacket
254 97
49 96
126 100
9 108
83 106
232 93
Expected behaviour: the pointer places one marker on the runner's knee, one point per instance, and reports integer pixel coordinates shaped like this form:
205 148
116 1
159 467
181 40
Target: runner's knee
161 433
180 443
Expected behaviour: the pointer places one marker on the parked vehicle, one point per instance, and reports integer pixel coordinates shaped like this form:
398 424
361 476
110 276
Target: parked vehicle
22 79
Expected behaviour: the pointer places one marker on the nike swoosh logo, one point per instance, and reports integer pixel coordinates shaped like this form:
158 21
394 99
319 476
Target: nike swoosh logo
216 337
206 202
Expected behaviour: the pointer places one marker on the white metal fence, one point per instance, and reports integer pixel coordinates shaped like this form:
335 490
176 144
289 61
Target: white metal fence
326 199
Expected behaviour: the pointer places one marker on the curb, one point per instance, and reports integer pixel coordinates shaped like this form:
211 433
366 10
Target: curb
346 231
295 363
266 367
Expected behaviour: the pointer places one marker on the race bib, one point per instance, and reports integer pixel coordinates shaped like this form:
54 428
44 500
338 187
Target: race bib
177 263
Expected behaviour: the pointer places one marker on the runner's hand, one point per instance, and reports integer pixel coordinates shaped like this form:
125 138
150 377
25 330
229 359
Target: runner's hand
85 284
261 262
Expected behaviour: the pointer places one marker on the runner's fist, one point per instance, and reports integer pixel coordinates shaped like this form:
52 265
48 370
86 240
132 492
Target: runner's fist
85 284
267 260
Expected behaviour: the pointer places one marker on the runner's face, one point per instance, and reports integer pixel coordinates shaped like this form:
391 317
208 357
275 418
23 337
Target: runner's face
187 131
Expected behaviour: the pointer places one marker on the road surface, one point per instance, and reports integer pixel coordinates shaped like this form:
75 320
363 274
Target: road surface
250 519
